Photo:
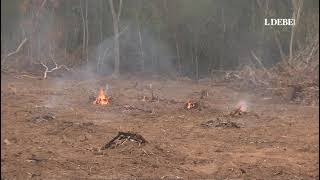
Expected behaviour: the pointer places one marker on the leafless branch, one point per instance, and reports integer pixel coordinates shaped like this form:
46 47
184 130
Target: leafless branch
53 69
17 50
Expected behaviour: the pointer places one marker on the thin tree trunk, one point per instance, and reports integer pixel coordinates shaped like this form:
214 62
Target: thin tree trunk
84 29
141 49
291 43
140 41
101 21
178 54
101 37
197 67
87 31
223 39
116 47
116 18
279 46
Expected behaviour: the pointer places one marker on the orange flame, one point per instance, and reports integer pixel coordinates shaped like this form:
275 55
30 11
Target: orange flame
242 106
101 99
144 98
190 105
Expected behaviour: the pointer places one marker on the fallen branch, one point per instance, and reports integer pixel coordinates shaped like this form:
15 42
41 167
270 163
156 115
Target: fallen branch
25 75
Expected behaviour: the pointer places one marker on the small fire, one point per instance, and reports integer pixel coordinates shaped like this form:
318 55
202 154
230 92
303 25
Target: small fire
144 98
242 106
190 105
101 98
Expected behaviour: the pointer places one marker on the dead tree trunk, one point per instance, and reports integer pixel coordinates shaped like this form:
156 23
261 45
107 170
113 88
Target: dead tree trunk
140 41
178 54
116 19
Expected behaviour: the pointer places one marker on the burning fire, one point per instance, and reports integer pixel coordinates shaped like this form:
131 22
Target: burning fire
242 106
101 98
144 98
190 105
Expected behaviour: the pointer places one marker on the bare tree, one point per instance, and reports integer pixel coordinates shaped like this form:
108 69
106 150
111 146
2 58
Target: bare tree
116 20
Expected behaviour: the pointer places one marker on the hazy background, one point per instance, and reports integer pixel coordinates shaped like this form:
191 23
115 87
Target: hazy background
183 37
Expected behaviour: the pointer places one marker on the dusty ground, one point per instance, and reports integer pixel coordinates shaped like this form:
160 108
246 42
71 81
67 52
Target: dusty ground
276 140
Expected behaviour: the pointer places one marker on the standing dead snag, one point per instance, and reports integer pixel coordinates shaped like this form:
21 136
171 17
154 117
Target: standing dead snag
116 20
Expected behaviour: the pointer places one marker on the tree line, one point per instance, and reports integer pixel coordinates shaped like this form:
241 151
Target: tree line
199 36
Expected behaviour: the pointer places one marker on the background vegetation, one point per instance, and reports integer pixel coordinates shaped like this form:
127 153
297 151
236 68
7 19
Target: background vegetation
193 37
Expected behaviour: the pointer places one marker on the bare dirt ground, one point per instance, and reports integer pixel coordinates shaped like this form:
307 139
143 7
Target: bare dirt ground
51 130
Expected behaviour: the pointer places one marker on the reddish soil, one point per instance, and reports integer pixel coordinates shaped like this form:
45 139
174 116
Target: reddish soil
276 140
